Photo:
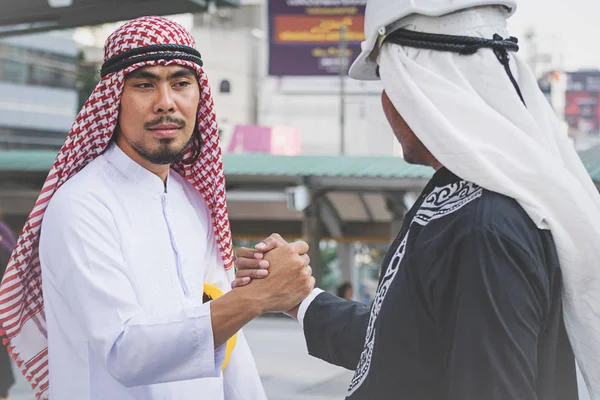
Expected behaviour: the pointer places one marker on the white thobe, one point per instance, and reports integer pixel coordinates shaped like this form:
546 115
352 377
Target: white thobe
124 259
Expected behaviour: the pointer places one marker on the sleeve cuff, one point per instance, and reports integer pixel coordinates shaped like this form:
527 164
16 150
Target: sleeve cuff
210 359
305 303
220 354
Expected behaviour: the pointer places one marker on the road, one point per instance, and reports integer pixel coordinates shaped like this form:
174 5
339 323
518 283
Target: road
287 371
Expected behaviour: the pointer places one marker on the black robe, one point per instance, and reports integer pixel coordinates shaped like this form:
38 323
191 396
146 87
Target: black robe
468 307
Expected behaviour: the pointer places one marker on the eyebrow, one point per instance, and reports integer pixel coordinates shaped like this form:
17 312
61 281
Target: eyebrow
140 73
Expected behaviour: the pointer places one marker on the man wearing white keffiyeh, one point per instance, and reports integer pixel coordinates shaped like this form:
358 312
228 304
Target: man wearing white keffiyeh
492 284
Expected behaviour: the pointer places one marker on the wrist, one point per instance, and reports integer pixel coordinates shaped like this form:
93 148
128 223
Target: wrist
253 302
293 313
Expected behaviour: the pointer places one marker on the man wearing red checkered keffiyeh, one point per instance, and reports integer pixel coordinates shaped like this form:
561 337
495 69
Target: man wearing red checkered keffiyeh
115 289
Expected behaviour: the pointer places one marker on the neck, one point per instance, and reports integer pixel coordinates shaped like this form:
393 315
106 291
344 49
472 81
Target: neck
162 171
431 161
436 165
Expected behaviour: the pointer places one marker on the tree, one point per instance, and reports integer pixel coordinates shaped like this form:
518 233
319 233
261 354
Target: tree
88 77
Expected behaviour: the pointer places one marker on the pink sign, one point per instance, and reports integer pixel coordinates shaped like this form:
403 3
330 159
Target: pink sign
278 140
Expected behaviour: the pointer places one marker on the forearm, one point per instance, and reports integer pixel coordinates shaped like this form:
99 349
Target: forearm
231 312
156 349
335 330
185 345
144 349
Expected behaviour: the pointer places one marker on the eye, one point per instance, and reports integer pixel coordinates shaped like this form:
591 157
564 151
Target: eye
183 84
143 85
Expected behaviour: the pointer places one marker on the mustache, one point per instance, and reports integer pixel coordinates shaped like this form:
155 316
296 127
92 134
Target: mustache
165 120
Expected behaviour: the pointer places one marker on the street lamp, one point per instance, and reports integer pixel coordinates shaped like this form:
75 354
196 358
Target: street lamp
342 50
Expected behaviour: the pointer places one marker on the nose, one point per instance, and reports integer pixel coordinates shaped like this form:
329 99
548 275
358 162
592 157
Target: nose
165 104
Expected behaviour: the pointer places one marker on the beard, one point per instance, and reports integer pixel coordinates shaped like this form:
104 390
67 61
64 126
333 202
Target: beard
166 152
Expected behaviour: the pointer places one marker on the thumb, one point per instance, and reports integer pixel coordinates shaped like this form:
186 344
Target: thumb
269 244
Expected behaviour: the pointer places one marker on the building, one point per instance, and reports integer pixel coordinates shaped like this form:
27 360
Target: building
575 98
234 44
38 96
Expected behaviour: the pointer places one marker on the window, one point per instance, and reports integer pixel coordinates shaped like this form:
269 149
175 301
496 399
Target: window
42 76
27 66
13 71
225 87
65 80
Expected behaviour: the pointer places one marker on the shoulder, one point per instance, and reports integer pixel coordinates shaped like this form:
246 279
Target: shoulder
80 212
464 206
85 191
497 215
483 234
462 210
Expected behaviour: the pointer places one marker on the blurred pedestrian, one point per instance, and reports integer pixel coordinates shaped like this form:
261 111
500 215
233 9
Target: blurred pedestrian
344 291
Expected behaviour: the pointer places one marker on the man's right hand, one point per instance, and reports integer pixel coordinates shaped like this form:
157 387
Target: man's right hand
289 280
250 263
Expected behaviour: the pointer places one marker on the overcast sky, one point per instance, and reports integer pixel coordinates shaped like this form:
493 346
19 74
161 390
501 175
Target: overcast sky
573 24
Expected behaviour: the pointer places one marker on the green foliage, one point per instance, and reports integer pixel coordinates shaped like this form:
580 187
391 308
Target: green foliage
86 81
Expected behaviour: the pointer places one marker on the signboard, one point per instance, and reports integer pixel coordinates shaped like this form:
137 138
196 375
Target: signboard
582 108
304 35
278 140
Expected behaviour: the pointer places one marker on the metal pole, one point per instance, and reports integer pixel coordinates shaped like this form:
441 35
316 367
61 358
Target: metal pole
355 273
311 233
254 60
342 89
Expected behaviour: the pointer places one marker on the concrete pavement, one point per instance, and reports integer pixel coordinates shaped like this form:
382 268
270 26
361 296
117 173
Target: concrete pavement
287 371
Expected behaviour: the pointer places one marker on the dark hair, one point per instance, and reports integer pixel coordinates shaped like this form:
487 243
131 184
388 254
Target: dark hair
341 290
196 143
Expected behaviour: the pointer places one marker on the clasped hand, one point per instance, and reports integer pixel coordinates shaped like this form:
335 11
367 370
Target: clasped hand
280 272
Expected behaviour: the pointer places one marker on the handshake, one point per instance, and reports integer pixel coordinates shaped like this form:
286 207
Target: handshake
277 273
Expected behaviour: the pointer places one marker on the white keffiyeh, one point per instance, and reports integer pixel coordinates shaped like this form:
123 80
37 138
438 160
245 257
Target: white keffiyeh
469 115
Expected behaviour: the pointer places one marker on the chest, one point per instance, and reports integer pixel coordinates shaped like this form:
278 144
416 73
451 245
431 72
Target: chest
166 243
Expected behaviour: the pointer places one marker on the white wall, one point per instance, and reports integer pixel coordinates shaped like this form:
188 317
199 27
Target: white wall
227 55
318 117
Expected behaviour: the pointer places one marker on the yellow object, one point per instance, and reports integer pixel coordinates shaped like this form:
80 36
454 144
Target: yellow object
214 292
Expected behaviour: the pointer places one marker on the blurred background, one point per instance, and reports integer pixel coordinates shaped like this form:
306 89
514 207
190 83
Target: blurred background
307 151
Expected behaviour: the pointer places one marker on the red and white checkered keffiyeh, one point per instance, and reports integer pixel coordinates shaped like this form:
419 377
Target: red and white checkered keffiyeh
22 316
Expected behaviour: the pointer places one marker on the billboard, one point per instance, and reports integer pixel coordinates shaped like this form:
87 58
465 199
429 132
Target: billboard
304 35
582 108
278 140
